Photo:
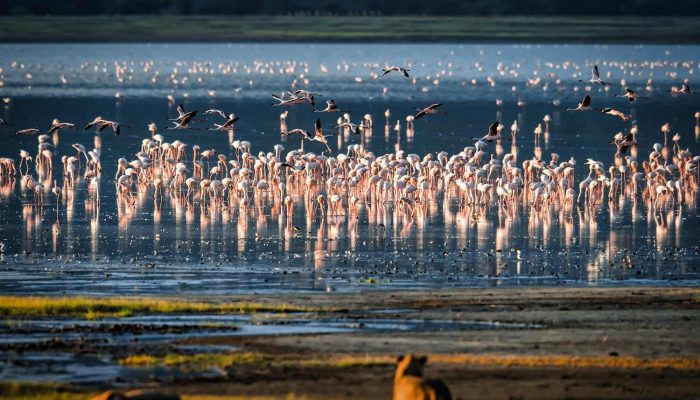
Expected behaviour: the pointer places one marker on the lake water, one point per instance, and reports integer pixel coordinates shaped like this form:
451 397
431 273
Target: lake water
82 249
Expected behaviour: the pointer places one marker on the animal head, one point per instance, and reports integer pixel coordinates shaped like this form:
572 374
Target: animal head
136 395
410 365
110 395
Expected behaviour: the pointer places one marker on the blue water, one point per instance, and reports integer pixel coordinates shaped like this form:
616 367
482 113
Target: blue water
113 250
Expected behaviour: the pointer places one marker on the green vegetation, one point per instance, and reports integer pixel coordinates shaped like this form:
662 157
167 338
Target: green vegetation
355 7
679 363
194 361
340 361
221 360
150 28
92 308
36 391
316 361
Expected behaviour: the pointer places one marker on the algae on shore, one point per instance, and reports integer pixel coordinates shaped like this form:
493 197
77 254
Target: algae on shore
92 308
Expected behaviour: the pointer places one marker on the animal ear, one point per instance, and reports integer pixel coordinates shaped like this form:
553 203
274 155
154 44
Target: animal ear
423 360
399 358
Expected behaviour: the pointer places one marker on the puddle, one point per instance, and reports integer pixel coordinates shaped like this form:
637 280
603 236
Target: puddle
85 352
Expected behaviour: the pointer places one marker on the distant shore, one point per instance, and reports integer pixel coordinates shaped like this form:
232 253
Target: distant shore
151 28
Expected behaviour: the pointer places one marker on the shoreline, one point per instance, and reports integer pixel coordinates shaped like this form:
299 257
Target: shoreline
622 343
356 29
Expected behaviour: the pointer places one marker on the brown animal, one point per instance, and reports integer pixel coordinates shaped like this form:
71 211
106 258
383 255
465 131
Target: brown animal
409 383
136 395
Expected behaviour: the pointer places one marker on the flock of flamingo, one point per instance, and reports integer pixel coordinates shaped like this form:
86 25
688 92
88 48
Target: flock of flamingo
662 175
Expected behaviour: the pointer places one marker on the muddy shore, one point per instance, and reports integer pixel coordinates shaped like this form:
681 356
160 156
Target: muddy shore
529 343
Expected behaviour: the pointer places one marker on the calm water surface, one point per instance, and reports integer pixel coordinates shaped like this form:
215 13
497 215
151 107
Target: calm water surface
175 250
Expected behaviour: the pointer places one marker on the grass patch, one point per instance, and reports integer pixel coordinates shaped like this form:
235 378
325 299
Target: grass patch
680 363
349 361
36 391
221 360
165 28
94 308
341 361
194 361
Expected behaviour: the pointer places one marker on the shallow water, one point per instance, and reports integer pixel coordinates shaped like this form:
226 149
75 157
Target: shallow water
178 250
46 347
237 71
